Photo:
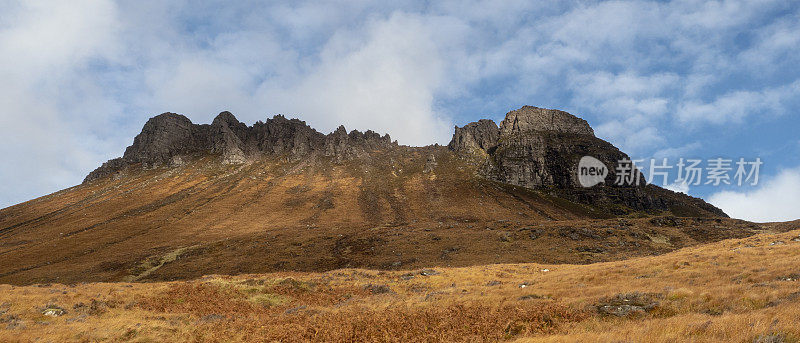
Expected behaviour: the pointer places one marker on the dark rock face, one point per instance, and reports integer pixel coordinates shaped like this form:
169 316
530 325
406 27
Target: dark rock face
168 137
473 137
108 168
529 118
225 137
286 136
162 137
535 147
541 148
342 145
548 158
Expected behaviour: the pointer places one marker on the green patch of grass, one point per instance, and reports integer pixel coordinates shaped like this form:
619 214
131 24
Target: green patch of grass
152 263
295 285
269 300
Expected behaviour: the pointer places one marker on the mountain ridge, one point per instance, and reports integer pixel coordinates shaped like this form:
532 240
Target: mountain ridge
187 200
169 136
532 147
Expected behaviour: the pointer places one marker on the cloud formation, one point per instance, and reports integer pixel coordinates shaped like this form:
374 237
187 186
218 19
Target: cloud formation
774 200
385 82
653 78
44 51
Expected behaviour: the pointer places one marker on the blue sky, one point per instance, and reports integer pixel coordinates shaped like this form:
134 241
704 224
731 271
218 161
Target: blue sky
692 79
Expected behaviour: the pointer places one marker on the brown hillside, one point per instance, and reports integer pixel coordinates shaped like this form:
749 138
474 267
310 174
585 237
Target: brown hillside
740 290
316 215
187 200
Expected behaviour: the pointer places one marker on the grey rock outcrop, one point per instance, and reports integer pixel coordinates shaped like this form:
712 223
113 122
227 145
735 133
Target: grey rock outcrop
628 304
167 139
478 136
285 136
540 149
547 158
342 145
534 147
162 137
528 119
430 164
225 138
108 168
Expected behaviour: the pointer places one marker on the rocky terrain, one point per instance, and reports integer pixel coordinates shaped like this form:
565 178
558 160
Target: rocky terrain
169 139
277 232
533 147
189 199
540 148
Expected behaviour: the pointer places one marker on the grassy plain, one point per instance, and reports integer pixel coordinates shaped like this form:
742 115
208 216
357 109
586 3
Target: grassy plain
735 290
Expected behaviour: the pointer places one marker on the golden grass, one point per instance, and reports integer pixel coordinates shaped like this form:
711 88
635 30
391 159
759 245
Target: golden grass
741 290
381 212
152 264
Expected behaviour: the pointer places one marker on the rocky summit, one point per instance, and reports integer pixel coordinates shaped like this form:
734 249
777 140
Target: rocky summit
187 200
169 138
533 147
532 119
540 148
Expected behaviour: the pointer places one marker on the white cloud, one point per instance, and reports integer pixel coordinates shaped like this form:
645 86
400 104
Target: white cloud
776 199
46 36
631 103
679 152
81 77
738 105
382 75
198 87
625 94
45 48
634 139
775 45
386 84
680 187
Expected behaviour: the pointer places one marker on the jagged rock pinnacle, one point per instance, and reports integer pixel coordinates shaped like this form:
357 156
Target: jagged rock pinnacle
539 148
532 147
478 136
529 118
167 138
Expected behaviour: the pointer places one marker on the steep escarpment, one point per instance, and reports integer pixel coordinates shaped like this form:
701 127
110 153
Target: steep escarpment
533 147
475 138
541 148
187 200
169 139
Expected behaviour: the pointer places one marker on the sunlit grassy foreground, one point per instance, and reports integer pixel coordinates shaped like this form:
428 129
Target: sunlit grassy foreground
742 290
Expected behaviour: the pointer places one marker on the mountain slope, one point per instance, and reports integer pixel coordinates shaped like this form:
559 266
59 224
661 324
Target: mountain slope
740 290
187 200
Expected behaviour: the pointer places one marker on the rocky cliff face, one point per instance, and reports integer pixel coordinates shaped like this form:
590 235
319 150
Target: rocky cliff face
477 137
534 119
168 138
540 148
535 147
532 147
342 145
163 137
